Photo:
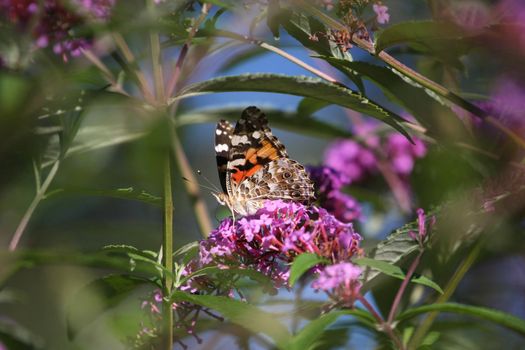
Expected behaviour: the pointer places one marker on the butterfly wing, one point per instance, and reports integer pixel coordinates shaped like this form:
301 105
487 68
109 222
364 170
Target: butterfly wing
223 138
253 146
283 178
259 167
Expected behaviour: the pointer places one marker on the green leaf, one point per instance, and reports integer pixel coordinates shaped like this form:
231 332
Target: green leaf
128 249
97 297
308 106
187 252
244 56
296 85
302 264
393 249
272 20
499 317
396 272
313 34
423 33
428 109
307 336
128 193
242 314
281 119
257 276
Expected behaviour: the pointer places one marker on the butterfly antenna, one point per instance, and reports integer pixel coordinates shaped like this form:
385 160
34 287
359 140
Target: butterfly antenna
209 182
213 189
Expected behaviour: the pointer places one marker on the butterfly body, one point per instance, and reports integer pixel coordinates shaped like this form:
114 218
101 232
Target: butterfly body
254 166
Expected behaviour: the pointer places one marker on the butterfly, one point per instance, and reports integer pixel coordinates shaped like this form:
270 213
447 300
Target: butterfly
254 166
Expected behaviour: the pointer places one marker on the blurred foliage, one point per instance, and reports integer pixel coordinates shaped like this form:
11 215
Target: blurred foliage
85 133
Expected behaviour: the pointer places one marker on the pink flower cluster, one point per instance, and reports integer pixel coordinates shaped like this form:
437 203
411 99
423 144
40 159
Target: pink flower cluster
358 160
51 22
270 240
341 282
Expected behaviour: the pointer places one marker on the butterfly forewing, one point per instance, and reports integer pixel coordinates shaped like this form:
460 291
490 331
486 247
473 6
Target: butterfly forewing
223 138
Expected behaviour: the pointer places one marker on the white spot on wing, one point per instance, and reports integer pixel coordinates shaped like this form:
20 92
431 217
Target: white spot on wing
256 134
239 139
218 131
221 147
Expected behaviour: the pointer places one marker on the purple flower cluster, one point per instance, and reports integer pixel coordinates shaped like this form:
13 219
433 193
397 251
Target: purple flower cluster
51 22
328 184
270 239
357 160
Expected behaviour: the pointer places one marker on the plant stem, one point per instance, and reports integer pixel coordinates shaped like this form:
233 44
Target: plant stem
40 194
172 84
192 188
402 288
156 60
425 325
385 326
167 254
280 52
130 59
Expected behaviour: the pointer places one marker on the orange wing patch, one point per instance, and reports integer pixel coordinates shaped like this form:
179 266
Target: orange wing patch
253 157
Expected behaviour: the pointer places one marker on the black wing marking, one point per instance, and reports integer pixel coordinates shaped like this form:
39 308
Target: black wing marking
223 139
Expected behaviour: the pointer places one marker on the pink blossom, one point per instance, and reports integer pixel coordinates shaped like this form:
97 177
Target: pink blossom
382 13
341 281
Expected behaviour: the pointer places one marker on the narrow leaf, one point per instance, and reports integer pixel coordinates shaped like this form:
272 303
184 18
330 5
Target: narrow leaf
122 193
428 109
281 119
421 32
396 272
314 329
242 314
502 318
302 264
296 85
309 106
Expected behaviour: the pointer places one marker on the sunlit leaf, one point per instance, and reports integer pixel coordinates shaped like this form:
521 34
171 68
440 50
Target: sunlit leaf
296 85
242 314
396 272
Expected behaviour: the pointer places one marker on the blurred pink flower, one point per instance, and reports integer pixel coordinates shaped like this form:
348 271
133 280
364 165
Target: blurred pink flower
382 13
340 281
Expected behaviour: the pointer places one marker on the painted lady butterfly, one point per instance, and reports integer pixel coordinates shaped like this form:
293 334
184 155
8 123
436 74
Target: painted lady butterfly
254 166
